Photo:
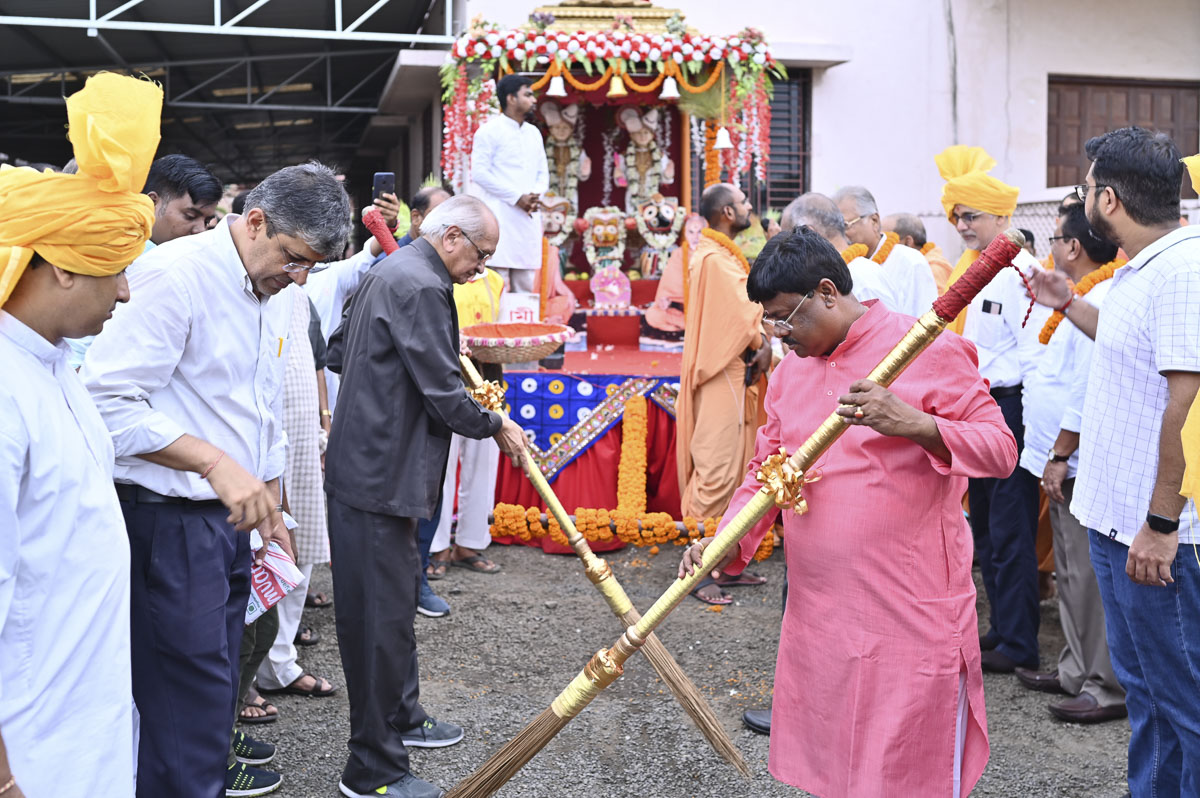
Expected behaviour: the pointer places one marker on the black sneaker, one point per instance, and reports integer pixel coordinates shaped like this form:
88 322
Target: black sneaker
251 751
243 780
432 734
407 786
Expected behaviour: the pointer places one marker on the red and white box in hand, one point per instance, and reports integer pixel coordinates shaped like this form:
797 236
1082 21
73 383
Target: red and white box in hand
271 581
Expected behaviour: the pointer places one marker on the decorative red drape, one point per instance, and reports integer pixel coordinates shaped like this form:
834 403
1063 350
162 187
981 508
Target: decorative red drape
591 480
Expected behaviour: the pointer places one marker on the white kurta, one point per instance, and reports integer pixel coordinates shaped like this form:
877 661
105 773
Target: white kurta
66 700
508 160
907 273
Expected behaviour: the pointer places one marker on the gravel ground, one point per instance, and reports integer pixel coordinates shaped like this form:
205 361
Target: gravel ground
515 639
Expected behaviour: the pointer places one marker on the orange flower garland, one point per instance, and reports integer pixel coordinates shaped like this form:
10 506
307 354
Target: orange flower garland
890 240
631 473
1089 281
712 158
927 247
727 242
544 288
854 251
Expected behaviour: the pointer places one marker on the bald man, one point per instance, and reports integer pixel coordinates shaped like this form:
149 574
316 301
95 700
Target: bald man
725 353
911 232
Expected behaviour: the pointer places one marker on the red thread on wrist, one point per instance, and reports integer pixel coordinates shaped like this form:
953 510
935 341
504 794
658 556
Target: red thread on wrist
204 474
1064 308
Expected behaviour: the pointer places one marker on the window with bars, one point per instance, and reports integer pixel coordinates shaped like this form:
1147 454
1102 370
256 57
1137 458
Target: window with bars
791 136
1079 108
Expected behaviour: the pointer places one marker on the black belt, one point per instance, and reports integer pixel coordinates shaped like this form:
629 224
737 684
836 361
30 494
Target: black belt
1006 391
136 494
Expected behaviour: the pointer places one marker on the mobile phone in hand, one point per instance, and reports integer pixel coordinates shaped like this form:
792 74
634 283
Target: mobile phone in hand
385 183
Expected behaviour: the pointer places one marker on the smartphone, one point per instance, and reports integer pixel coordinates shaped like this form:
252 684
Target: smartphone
385 183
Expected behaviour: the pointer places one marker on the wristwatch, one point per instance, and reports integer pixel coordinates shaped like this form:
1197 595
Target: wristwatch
1160 523
1055 457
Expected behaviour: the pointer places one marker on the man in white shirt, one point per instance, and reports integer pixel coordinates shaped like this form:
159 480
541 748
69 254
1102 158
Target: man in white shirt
1003 511
188 379
1053 411
1144 375
821 214
905 270
66 706
509 173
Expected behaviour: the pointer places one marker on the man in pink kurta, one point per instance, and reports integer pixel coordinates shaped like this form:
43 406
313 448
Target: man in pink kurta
878 687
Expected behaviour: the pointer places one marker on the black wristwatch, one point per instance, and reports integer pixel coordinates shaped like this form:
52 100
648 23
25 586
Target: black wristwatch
1055 457
1160 523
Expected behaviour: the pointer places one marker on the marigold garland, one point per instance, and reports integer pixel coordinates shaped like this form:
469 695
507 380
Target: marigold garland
927 247
854 251
631 473
727 242
1089 281
885 249
712 157
544 287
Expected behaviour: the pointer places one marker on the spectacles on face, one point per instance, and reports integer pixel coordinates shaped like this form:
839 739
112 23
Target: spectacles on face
1059 238
968 217
782 329
851 222
1082 190
483 255
296 264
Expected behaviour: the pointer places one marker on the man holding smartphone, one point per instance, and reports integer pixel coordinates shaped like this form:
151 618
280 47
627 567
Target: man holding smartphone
509 173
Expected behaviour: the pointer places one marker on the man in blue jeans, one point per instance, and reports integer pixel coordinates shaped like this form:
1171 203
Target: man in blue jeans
1144 375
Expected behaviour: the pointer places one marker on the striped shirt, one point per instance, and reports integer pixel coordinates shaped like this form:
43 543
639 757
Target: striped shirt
1150 324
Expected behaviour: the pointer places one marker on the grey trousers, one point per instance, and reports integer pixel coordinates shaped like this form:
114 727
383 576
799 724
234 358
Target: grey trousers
1083 664
376 577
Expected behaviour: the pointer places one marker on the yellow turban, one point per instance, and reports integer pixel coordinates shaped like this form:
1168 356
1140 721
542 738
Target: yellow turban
1192 162
965 170
95 222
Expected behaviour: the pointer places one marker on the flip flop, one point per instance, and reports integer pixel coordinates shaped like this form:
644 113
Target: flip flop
436 569
313 638
744 579
313 692
470 564
318 600
264 705
707 581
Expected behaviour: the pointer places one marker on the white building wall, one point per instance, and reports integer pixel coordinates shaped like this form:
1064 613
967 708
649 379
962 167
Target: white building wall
879 118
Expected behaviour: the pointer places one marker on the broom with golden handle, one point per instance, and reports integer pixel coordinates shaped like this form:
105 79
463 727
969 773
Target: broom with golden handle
601 575
782 479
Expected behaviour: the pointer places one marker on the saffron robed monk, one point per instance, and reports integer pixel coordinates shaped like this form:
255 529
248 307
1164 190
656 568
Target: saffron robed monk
878 685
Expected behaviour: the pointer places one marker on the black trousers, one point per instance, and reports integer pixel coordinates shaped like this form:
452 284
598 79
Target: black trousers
377 578
191 583
1004 520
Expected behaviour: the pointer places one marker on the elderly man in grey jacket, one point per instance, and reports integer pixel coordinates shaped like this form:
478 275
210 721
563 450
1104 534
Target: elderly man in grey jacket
401 397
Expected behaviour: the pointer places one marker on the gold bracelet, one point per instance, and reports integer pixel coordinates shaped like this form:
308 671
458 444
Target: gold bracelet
8 785
327 413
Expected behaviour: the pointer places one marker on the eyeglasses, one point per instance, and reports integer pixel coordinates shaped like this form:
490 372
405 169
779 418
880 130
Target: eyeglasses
483 256
851 222
967 216
1082 190
783 328
296 265
1060 238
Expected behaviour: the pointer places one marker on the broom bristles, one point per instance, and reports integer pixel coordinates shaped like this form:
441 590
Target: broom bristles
688 696
504 764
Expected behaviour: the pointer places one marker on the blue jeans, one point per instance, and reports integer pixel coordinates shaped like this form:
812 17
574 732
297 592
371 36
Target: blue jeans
426 529
1154 641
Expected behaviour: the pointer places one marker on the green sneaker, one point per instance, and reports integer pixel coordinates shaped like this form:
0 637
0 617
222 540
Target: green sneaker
250 751
243 780
432 734
407 786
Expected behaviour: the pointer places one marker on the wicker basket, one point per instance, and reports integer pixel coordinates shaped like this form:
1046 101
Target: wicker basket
514 342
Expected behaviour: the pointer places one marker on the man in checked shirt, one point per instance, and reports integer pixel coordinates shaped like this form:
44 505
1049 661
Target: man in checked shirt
1144 375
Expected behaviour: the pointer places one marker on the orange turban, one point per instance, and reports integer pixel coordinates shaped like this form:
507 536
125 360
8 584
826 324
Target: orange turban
95 222
965 170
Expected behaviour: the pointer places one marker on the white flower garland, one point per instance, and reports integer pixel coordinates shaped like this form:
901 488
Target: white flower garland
610 150
660 241
570 191
635 192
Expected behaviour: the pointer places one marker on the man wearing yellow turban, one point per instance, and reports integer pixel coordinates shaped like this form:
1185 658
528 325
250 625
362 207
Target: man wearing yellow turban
1004 512
65 240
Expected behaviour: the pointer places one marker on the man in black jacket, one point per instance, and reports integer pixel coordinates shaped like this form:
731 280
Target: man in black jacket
401 397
